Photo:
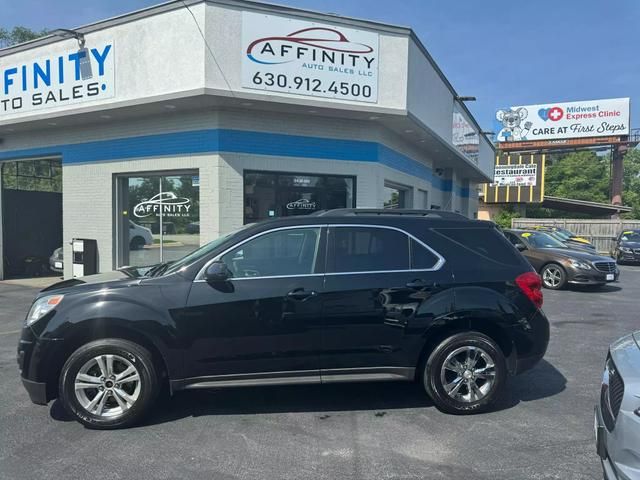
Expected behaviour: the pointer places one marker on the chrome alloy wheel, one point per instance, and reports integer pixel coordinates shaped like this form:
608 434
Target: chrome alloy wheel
468 374
107 385
552 276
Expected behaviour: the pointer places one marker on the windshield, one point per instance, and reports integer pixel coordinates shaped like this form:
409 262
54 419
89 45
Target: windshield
631 236
201 252
541 240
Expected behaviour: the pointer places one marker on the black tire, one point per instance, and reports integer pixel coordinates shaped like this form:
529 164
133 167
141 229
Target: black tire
136 243
131 352
556 268
433 367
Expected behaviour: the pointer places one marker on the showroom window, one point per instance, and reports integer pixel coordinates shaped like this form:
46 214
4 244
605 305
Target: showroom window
271 194
158 217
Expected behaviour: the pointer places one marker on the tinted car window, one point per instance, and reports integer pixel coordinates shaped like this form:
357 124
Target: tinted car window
541 240
486 242
282 252
364 249
422 258
630 237
512 238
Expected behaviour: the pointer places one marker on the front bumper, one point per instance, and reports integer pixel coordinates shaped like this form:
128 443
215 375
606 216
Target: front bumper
616 448
628 256
36 362
579 276
37 391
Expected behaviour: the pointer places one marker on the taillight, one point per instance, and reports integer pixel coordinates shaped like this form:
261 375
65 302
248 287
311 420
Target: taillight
531 285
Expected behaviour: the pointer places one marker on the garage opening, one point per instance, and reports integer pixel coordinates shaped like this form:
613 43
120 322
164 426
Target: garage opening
32 218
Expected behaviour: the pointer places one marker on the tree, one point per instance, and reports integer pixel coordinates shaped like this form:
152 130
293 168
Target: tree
19 35
580 176
631 182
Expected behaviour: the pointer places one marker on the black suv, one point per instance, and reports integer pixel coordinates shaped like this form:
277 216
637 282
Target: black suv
340 296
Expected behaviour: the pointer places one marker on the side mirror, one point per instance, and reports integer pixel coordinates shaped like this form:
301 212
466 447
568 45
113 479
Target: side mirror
521 246
217 272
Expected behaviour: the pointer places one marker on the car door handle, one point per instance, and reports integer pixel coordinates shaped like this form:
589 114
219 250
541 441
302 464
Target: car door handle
301 294
420 283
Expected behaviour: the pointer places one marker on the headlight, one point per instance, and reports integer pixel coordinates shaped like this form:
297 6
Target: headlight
637 411
625 249
579 264
41 307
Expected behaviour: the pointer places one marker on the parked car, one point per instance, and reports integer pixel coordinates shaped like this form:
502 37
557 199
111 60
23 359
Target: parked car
567 237
340 296
139 236
627 247
558 264
56 262
193 228
617 415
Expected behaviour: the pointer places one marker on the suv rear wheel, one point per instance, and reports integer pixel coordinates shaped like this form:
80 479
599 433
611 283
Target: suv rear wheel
465 373
109 383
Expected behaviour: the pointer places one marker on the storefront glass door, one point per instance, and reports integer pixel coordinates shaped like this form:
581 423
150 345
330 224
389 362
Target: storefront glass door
158 218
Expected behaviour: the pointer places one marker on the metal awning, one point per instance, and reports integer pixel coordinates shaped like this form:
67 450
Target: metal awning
583 206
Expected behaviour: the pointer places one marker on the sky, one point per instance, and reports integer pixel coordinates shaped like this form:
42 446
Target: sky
503 52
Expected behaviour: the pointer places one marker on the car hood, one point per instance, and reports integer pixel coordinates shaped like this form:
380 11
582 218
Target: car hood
114 279
577 254
630 244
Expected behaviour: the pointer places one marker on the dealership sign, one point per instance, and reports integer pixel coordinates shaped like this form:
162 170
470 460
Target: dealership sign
554 121
464 136
308 58
65 78
515 175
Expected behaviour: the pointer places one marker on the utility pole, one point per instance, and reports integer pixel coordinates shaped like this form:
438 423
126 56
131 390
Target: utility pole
617 174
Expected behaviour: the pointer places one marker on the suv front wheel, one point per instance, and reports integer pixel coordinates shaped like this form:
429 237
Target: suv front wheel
465 373
109 383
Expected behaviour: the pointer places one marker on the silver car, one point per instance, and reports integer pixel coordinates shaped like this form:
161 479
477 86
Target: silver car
617 417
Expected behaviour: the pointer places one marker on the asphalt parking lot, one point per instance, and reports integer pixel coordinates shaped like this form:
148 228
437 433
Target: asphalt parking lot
543 429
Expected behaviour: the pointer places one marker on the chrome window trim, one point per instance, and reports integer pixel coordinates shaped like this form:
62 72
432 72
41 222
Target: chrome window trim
200 275
441 261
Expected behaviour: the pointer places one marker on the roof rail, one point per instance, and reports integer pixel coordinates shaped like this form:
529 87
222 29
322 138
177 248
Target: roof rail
344 212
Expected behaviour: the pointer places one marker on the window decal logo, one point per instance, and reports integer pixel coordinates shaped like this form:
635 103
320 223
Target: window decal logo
302 204
166 202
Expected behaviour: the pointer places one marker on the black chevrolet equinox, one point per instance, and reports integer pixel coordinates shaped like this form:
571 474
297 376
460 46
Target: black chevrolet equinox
344 295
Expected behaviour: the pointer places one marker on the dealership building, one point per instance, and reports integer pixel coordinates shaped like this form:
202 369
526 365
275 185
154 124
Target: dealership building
158 131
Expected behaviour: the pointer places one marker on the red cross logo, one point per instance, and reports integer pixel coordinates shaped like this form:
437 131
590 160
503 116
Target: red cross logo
556 113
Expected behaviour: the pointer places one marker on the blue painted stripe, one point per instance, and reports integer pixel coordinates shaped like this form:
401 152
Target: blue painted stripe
236 141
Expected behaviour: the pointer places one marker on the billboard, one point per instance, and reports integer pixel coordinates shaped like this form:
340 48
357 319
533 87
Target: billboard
557 121
518 178
307 58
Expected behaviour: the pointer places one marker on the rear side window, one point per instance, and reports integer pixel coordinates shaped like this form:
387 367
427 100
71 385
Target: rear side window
486 242
421 257
368 249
